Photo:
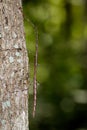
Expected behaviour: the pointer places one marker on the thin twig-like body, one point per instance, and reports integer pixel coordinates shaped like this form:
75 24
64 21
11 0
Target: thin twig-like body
35 65
35 73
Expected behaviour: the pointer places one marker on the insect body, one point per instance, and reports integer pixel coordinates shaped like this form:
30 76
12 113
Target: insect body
35 74
35 64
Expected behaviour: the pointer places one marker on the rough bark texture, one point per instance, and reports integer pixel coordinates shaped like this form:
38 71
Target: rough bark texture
13 68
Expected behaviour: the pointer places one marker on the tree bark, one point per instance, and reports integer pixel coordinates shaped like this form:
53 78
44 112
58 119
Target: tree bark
13 68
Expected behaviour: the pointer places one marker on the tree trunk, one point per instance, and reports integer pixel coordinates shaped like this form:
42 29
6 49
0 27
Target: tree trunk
13 68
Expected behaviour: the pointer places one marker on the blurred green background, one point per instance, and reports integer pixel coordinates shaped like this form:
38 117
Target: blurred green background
62 63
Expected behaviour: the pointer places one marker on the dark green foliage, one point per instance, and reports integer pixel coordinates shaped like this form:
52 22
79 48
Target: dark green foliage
62 69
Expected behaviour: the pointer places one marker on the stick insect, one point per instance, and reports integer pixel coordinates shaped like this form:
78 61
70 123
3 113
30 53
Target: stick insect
35 66
35 62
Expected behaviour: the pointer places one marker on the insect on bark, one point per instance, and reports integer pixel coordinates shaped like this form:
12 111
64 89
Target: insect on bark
35 73
35 64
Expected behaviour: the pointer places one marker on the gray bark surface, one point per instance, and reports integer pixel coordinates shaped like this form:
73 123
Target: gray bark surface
13 68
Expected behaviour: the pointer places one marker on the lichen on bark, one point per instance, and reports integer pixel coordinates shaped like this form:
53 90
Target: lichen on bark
13 68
